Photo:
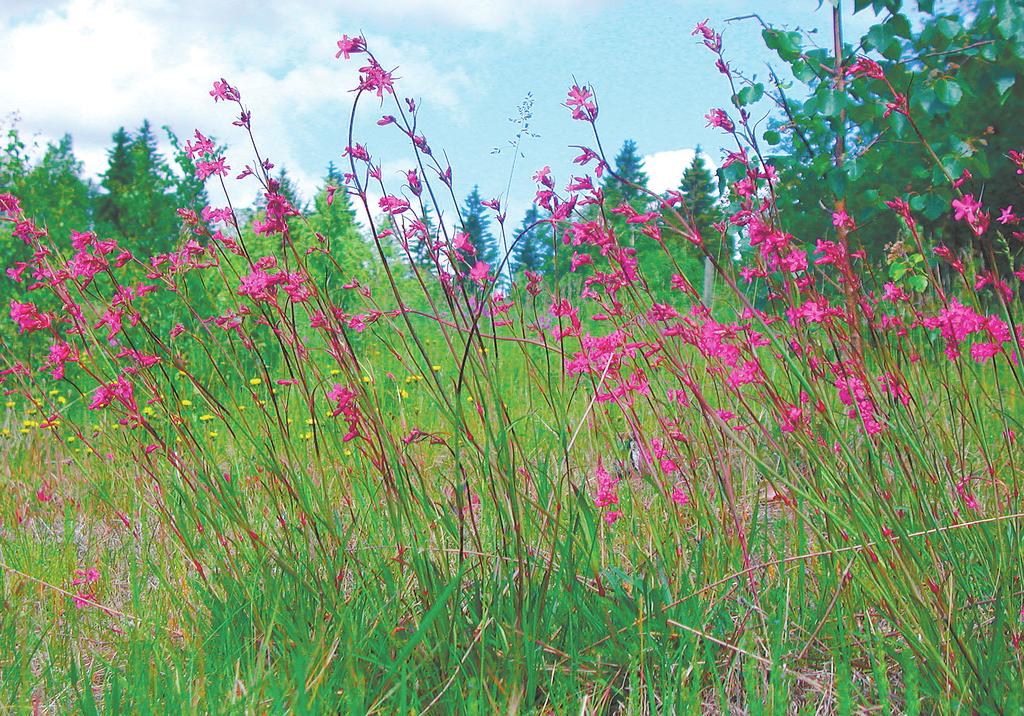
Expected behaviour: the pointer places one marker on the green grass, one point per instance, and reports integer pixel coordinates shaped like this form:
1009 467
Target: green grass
385 599
827 519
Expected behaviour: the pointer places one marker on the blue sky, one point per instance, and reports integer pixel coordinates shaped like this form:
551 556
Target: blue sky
89 66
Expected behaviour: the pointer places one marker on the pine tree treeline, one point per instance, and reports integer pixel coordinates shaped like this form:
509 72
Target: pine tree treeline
137 198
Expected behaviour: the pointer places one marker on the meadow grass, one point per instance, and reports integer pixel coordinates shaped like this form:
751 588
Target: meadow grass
587 495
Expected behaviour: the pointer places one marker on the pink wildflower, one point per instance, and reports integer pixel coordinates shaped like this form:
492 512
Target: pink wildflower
348 46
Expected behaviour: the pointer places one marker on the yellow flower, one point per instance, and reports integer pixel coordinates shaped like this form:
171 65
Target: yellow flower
62 400
186 403
9 404
255 381
403 393
206 417
347 452
54 391
367 379
334 371
212 433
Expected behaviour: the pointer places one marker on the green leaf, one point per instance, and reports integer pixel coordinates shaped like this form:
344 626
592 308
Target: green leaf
854 170
772 137
1008 14
899 124
879 37
803 71
1004 79
786 44
837 181
831 102
925 100
900 25
981 165
935 207
948 27
749 95
918 283
949 92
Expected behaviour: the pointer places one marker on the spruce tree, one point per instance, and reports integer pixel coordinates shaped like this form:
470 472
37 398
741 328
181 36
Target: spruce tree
698 190
534 246
189 190
629 166
137 203
420 249
114 184
336 223
476 223
153 213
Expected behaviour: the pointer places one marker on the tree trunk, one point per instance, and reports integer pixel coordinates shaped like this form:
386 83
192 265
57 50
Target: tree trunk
709 282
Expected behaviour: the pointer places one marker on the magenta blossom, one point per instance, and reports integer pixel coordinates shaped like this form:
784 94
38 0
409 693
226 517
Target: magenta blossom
348 46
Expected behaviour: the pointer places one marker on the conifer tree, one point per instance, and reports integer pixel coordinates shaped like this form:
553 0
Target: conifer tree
55 193
137 203
420 249
336 223
189 190
534 246
153 213
110 207
476 223
698 190
629 166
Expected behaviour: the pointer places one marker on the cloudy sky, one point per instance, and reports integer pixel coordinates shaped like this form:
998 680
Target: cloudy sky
89 66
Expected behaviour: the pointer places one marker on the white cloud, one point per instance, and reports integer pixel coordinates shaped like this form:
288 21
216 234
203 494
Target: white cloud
481 15
90 66
665 169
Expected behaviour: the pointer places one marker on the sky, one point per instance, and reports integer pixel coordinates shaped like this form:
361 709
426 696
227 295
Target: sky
87 67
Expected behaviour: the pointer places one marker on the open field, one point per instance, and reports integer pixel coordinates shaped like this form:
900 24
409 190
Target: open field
287 468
